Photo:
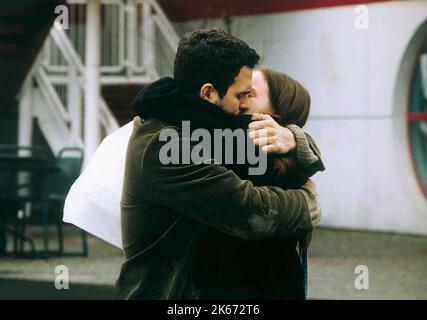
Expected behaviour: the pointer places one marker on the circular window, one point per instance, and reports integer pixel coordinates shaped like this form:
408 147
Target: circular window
417 118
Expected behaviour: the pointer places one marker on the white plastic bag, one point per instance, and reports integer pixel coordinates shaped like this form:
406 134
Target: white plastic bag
93 202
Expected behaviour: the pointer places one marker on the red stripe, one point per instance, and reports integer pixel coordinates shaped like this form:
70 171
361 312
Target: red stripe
417 116
184 10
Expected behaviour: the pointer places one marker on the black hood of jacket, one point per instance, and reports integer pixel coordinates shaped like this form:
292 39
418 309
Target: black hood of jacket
163 99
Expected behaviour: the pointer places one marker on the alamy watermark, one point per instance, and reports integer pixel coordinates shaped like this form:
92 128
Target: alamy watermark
362 17
229 147
62 280
62 21
361 282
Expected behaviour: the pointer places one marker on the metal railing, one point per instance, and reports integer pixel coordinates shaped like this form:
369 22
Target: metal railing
63 92
138 44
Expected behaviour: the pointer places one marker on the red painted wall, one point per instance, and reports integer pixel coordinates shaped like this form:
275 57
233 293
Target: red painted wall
184 10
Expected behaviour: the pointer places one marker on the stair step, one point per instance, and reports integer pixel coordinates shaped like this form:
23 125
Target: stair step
13 29
10 47
19 27
23 27
23 10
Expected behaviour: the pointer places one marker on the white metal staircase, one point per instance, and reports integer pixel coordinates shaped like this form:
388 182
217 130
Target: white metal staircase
138 44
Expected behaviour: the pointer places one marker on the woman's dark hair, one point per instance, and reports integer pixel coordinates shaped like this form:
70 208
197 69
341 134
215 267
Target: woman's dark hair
289 99
210 55
291 105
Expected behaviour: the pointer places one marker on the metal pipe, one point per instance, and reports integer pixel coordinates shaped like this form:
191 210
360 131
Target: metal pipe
25 122
74 104
148 38
25 135
92 92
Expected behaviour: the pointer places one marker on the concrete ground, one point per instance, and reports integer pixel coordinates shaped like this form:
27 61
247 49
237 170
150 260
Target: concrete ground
395 265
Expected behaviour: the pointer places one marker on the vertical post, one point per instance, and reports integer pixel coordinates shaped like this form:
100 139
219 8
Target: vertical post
149 41
25 138
92 82
131 36
25 121
74 105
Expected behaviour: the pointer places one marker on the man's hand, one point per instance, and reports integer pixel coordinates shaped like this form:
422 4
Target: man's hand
270 136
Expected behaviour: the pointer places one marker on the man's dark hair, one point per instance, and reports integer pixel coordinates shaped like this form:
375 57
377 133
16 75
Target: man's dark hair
210 55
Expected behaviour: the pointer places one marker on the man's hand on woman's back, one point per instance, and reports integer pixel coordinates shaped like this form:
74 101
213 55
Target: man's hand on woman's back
273 138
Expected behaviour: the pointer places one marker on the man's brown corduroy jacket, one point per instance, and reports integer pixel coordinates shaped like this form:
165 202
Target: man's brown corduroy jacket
200 232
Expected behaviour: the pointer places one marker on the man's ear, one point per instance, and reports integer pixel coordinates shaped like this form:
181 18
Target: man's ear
209 93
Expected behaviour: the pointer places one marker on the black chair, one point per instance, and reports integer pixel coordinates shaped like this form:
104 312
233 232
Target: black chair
22 174
61 176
